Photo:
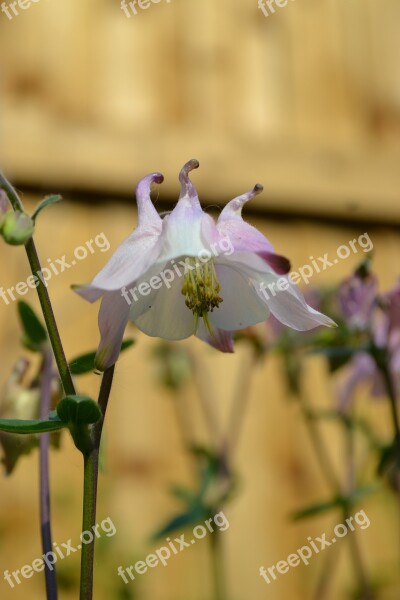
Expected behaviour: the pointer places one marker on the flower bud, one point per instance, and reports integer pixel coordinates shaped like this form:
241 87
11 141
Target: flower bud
20 399
17 228
18 402
4 207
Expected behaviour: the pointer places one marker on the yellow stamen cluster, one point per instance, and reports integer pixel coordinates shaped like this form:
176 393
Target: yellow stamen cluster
201 287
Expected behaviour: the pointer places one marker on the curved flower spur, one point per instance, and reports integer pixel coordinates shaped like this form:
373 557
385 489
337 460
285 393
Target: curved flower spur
187 275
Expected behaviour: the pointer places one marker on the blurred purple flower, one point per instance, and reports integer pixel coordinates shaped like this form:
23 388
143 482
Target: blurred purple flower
357 298
382 318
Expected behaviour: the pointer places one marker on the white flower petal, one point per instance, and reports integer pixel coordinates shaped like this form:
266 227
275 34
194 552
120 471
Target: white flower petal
241 306
168 316
147 214
113 317
246 238
136 253
220 340
130 261
288 305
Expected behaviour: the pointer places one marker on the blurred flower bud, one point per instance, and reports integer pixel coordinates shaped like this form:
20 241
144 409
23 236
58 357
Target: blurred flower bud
18 402
17 228
4 207
20 399
391 306
357 297
172 364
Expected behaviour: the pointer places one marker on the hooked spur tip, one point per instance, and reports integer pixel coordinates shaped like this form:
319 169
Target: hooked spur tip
189 166
157 178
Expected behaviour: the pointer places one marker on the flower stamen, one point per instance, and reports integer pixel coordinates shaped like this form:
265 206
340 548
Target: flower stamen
201 288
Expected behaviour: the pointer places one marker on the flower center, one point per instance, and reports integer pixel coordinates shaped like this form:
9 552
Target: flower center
201 287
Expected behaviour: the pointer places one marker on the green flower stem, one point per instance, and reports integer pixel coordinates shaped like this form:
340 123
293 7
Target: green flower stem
323 587
217 566
364 587
240 399
329 473
385 371
207 401
320 449
45 521
45 303
43 295
91 471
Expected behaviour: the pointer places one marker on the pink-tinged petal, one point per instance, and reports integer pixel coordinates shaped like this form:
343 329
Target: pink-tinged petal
288 305
280 264
167 315
88 292
129 262
395 352
246 238
360 369
113 317
357 298
220 340
188 191
147 214
233 210
392 301
241 305
136 254
187 230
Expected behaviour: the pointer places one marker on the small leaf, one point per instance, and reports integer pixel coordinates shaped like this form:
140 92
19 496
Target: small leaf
338 501
44 203
191 517
85 363
35 426
387 457
318 508
184 494
337 356
78 410
34 332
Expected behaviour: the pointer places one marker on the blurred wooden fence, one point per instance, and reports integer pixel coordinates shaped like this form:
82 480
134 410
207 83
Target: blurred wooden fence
144 454
306 100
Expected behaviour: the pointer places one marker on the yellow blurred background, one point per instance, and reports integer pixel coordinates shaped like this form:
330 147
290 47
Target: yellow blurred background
306 101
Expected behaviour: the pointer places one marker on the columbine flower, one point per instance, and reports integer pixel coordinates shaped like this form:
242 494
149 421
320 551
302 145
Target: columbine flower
381 316
187 275
357 298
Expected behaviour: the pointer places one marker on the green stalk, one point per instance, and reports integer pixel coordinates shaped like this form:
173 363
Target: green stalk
90 480
43 295
360 571
217 566
44 495
320 449
393 406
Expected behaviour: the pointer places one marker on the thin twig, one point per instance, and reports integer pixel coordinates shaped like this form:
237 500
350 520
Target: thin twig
45 522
